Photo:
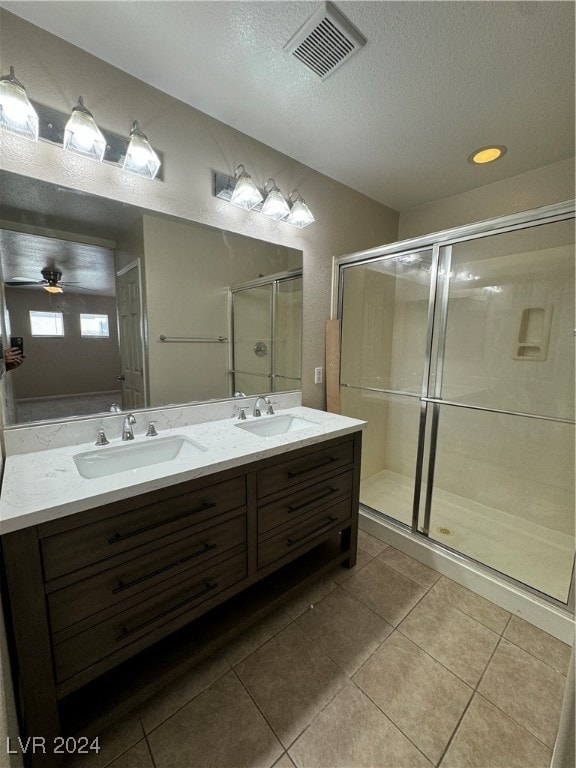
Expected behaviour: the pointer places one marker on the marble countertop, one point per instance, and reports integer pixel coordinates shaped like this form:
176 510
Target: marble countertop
46 485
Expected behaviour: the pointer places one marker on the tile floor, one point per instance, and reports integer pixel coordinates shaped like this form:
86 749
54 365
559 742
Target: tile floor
388 665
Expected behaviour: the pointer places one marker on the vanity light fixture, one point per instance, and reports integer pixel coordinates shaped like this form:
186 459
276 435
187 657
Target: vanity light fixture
300 215
275 206
17 115
241 190
487 154
246 194
140 157
82 135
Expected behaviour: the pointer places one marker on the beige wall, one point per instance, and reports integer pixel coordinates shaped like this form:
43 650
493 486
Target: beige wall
192 144
550 184
69 365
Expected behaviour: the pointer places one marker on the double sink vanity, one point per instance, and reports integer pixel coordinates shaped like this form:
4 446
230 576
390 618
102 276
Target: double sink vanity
126 563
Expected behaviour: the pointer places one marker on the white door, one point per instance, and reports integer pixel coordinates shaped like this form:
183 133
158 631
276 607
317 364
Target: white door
131 337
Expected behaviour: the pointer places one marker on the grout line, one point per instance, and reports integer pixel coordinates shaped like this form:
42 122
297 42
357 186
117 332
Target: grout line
268 723
524 728
188 701
148 745
470 700
395 725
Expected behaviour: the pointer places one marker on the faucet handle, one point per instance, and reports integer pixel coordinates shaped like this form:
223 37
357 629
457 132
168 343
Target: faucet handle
270 409
102 439
151 430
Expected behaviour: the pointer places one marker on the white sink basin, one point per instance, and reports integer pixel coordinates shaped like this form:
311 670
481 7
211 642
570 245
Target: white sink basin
119 458
269 426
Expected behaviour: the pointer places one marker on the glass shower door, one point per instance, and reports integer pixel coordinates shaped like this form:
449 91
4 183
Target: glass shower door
252 339
501 427
385 320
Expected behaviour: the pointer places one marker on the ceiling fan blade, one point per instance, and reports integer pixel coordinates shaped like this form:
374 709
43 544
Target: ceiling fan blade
15 281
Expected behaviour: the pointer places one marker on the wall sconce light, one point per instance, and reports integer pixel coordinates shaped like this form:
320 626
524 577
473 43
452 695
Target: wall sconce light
140 157
274 205
17 115
76 132
300 215
82 135
245 194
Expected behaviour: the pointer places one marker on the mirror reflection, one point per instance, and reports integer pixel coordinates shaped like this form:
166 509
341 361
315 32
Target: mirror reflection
115 305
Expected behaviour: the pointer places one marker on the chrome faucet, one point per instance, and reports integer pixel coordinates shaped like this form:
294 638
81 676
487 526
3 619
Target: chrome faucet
269 409
127 433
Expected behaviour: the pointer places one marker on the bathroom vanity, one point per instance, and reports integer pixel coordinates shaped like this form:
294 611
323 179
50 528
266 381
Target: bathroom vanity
111 602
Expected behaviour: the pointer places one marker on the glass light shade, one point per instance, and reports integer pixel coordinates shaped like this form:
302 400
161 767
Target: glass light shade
300 215
53 289
140 157
17 115
275 206
246 194
82 135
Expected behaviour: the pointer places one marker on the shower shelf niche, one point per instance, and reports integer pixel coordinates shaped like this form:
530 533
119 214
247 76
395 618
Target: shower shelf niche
533 333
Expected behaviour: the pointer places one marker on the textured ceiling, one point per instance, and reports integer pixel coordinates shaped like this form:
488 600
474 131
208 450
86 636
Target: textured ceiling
397 121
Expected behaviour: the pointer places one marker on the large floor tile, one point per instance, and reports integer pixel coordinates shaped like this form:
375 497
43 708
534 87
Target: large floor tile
487 738
219 728
540 644
113 742
411 568
291 681
487 613
525 688
385 591
370 544
451 637
352 733
253 638
307 597
137 756
344 629
418 694
170 699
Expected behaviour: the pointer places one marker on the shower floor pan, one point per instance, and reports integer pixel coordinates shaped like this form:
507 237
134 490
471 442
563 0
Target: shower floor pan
533 554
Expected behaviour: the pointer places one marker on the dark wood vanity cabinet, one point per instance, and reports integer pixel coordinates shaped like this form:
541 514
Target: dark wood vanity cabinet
139 589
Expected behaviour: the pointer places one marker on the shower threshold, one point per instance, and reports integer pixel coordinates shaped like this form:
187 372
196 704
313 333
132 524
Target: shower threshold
533 554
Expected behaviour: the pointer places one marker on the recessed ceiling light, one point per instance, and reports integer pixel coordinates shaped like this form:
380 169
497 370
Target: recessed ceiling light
487 154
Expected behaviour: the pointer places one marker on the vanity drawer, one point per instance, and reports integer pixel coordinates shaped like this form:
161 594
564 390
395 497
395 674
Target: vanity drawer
311 466
290 508
291 538
173 607
66 552
149 572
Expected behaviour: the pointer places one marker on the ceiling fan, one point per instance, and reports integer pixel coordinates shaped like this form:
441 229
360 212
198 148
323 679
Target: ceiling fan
51 281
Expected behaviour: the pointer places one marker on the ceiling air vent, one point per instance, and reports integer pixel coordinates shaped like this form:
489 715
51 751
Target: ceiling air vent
325 41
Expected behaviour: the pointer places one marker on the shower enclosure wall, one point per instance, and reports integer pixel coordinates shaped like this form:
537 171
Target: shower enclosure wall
458 350
266 323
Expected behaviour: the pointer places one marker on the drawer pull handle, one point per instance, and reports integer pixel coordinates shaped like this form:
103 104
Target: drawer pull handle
121 536
329 492
329 522
208 587
323 462
122 585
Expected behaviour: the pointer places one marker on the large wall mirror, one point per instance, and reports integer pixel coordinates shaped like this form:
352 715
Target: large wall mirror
120 305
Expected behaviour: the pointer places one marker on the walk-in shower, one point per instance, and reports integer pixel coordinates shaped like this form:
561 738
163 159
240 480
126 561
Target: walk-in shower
266 329
458 350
